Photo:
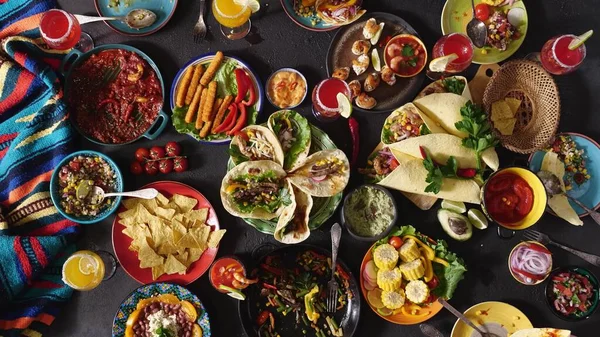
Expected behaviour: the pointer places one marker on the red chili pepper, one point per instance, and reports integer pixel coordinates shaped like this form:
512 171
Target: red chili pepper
128 112
528 274
242 86
354 132
241 121
423 152
269 286
106 101
466 173
271 270
252 93
229 121
262 317
538 248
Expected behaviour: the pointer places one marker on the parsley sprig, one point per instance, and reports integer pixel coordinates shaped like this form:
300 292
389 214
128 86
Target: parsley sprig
436 173
477 126
454 85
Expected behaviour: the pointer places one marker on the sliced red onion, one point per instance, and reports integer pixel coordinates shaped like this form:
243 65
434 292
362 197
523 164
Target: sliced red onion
319 178
530 261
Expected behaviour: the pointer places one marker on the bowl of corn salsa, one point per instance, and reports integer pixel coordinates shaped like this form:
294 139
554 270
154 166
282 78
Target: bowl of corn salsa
72 181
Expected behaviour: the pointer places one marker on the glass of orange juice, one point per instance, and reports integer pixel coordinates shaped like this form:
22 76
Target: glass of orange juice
234 16
85 269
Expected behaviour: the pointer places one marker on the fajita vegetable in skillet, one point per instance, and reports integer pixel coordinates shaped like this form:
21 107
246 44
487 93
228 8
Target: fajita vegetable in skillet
255 142
255 189
293 132
292 226
324 174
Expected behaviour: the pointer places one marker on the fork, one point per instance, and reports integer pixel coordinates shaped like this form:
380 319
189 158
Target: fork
544 239
332 285
200 27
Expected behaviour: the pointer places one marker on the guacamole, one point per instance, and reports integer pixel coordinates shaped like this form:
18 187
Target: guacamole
369 211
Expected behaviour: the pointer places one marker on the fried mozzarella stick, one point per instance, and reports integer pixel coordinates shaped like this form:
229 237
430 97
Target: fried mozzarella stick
183 87
191 112
202 103
212 68
198 71
221 113
210 102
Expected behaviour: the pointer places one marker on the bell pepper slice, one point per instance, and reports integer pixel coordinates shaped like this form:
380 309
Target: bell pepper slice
242 84
252 93
440 261
229 121
241 121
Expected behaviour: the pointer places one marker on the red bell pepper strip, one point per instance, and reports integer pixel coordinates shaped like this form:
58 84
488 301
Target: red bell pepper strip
353 125
538 248
241 122
106 101
272 270
229 121
528 274
242 84
252 93
269 286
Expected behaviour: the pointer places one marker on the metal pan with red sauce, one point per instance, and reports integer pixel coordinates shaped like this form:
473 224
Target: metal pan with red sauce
115 94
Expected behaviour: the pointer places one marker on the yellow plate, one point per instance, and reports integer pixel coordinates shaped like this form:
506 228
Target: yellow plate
505 315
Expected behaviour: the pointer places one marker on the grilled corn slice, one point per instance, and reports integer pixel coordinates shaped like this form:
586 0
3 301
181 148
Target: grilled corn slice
385 257
409 251
393 299
389 279
413 270
417 291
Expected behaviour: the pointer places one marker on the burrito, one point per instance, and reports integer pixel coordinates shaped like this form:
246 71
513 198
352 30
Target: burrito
444 109
293 132
324 174
339 12
292 226
454 84
405 122
255 142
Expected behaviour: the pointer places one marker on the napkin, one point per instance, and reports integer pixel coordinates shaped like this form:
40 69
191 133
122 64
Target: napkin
34 136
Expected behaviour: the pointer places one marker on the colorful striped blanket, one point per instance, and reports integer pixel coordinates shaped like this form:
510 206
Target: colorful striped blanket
34 137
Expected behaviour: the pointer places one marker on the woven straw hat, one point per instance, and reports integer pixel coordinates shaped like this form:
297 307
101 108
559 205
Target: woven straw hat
539 113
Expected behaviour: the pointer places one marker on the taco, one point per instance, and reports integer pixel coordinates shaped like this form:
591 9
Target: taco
292 226
443 109
324 174
255 142
255 190
379 165
454 84
293 132
339 12
441 146
541 332
407 121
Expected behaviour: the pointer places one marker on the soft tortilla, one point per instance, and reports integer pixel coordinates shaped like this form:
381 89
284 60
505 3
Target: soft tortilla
542 332
290 212
257 167
438 87
410 177
442 145
431 125
330 186
333 22
560 203
269 136
444 109
297 154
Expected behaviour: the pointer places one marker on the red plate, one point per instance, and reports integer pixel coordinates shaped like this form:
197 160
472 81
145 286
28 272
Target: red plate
129 259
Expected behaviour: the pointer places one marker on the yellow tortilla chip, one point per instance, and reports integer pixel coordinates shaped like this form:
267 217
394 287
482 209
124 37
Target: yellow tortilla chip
165 213
199 215
172 265
514 104
501 110
147 255
559 203
184 203
188 241
215 237
162 200
201 233
157 271
505 126
167 248
194 255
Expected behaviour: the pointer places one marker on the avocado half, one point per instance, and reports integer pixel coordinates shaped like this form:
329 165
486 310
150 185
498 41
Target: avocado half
456 225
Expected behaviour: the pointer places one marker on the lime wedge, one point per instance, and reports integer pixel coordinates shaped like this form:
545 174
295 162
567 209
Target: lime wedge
374 297
87 265
580 40
454 206
375 60
377 35
477 218
83 189
439 64
254 5
384 311
344 105
237 294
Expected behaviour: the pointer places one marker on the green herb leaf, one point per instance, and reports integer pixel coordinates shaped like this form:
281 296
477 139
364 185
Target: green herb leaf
407 50
412 62
476 125
436 173
424 130
454 85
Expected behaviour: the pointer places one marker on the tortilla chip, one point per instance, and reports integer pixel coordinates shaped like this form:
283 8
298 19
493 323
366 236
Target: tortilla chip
167 248
130 203
199 215
162 200
505 126
158 271
201 233
179 230
215 237
194 255
514 104
184 203
165 213
172 265
559 203
501 110
188 241
147 255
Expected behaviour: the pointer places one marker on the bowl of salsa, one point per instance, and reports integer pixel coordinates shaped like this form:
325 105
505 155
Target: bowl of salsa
115 94
72 182
405 54
572 293
369 212
228 275
514 198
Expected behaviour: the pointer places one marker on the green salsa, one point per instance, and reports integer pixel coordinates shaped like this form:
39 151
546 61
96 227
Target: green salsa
369 211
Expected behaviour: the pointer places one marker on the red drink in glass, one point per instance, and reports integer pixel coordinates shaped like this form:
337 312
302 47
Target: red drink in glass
325 105
60 30
558 59
458 44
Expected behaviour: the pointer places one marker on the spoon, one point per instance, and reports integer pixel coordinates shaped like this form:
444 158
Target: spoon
136 18
429 331
462 317
476 30
553 187
98 194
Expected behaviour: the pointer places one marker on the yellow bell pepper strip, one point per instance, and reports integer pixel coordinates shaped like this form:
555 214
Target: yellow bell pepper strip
136 76
428 268
429 251
409 312
231 188
311 314
440 261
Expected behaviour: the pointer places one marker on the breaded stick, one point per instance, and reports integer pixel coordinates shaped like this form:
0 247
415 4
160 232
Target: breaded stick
199 121
198 71
221 113
212 68
210 101
183 87
206 128
189 116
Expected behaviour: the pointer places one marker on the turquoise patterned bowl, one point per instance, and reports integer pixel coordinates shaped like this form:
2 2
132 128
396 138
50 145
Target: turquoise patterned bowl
154 289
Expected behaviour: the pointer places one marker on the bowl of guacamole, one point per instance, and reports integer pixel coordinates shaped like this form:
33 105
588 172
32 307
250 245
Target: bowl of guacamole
369 212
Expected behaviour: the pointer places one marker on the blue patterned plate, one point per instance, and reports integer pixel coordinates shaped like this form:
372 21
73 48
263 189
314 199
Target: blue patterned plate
308 21
163 9
150 290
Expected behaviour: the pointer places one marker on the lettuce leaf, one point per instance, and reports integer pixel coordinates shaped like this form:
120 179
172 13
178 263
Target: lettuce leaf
225 76
302 135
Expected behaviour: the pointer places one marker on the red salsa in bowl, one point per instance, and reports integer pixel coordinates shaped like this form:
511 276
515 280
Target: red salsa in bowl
115 96
405 54
508 198
228 275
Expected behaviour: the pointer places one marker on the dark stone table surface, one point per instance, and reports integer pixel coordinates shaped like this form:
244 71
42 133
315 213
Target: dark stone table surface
284 44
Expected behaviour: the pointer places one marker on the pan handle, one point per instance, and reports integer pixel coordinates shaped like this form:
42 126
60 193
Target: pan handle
71 57
262 250
161 121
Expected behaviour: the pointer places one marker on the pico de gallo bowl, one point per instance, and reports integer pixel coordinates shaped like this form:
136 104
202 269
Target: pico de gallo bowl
115 93
572 293
72 182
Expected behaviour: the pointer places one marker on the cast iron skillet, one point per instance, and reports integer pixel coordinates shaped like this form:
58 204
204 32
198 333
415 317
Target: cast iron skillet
340 55
347 317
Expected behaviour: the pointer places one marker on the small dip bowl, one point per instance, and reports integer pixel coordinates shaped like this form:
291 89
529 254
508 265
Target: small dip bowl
218 276
350 203
594 296
516 275
271 85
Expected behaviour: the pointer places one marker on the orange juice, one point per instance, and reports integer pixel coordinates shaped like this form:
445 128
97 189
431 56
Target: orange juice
84 270
230 14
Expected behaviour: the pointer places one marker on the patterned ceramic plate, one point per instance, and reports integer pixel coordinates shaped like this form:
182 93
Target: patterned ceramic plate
150 290
163 9
323 208
307 21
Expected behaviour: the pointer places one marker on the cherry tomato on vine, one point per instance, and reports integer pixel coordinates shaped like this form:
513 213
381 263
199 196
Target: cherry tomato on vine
142 154
151 168
157 152
136 168
165 166
173 149
482 12
180 164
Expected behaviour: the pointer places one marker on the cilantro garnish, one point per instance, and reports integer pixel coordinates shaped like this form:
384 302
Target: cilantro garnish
454 85
477 126
407 50
436 173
